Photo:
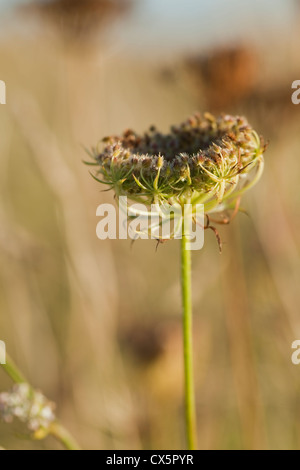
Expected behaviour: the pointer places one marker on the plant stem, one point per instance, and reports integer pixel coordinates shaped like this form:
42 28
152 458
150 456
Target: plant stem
186 280
56 430
13 372
62 435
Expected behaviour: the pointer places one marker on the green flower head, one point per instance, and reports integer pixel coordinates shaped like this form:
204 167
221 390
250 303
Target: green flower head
206 160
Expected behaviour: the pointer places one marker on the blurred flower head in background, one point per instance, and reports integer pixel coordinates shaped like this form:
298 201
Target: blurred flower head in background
30 407
229 75
77 19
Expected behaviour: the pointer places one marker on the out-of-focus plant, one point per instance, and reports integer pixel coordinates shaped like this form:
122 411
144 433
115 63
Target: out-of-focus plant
226 77
32 408
206 160
77 19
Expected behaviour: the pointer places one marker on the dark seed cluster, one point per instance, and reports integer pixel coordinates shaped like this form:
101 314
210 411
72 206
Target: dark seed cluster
205 159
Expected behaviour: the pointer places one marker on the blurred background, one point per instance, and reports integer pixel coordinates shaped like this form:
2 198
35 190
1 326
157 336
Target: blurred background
96 325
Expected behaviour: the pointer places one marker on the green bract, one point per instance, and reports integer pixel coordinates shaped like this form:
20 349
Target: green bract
204 160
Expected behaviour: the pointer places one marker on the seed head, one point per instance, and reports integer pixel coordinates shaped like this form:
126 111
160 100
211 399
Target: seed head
207 159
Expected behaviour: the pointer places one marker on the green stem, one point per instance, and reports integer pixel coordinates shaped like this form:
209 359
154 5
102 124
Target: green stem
186 279
62 435
56 430
13 372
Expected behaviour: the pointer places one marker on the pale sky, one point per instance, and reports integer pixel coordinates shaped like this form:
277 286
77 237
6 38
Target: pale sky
163 25
186 23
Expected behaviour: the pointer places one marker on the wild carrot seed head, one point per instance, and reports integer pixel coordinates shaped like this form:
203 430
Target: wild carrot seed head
205 159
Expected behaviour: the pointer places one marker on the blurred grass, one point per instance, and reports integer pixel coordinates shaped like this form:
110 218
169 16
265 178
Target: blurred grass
76 312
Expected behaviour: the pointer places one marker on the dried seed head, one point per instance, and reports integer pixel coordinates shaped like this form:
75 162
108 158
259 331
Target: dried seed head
204 157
